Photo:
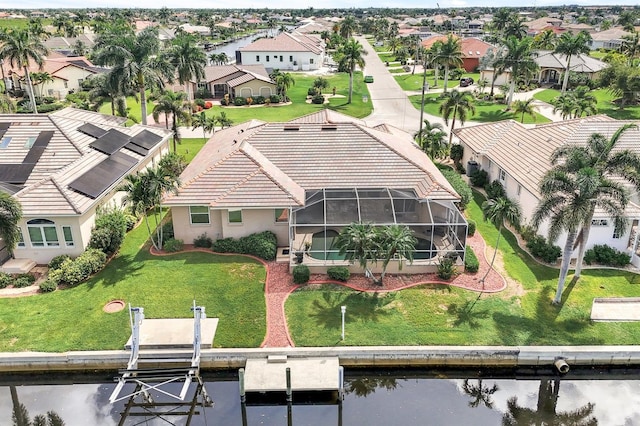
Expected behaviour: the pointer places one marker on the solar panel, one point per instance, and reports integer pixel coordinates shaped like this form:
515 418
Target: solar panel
15 173
110 142
137 149
102 176
3 128
38 147
146 139
91 130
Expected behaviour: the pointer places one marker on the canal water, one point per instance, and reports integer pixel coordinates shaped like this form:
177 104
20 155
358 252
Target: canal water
388 398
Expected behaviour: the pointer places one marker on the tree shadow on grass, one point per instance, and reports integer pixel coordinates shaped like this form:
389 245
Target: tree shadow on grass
543 328
491 116
119 269
361 307
465 314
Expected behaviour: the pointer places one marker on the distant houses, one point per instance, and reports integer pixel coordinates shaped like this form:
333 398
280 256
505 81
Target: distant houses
287 51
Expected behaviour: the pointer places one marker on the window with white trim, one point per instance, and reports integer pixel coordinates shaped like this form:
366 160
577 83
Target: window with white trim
68 236
43 233
21 243
267 58
599 222
291 58
282 215
519 189
502 176
257 58
199 215
311 61
235 216
617 233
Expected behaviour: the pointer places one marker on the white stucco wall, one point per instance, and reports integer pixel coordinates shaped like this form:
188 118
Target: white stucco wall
302 59
255 220
186 231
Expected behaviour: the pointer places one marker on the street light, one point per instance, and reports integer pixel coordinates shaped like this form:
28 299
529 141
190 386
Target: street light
343 309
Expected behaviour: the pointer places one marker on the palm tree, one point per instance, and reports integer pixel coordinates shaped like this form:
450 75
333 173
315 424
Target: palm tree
585 102
525 107
7 106
20 47
283 80
569 45
565 104
395 240
10 215
458 104
631 45
431 139
598 153
189 61
135 61
356 242
105 87
482 84
173 103
39 79
500 20
568 198
518 58
546 40
515 27
449 55
498 211
350 55
223 120
320 83
493 60
348 26
207 123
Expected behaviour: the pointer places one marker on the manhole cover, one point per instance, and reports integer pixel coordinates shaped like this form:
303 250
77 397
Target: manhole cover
113 306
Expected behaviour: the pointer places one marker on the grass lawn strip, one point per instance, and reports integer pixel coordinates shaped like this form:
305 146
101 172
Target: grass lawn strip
230 287
445 315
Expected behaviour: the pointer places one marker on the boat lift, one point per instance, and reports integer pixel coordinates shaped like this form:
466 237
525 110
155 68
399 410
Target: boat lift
146 379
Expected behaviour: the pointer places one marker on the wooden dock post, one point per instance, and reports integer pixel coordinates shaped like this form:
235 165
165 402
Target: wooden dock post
243 396
289 393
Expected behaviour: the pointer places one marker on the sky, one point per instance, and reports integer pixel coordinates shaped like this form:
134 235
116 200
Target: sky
303 4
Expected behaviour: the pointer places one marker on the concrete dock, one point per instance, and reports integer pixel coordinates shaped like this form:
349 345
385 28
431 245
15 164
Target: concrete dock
307 374
174 333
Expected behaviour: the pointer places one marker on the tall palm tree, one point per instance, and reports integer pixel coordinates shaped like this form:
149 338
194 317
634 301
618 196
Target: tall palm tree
565 104
599 154
350 55
458 104
176 105
570 45
105 87
500 211
500 21
283 80
585 102
395 240
546 40
356 242
525 107
10 215
568 198
631 45
431 140
348 26
515 27
449 55
208 124
519 59
189 61
19 47
135 61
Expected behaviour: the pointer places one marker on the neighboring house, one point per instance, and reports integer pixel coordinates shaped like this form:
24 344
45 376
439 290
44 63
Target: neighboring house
577 28
286 51
539 25
551 67
473 49
518 157
62 167
307 178
236 80
67 75
66 45
608 39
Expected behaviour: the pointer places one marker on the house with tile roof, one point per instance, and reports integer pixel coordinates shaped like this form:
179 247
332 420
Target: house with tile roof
307 178
236 80
473 49
519 156
63 167
608 39
286 51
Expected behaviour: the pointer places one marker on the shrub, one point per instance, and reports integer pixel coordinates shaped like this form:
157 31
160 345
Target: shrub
318 99
301 274
239 101
167 231
57 261
458 184
5 279
494 190
499 97
226 245
456 153
55 276
338 273
527 232
262 245
72 272
172 245
446 268
130 221
479 178
274 99
91 261
258 100
48 286
471 263
605 255
109 231
23 280
312 91
100 240
199 102
472 227
203 241
539 247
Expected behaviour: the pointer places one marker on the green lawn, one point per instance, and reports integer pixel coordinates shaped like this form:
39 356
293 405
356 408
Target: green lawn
486 112
414 81
605 104
298 94
133 106
189 147
20 23
230 287
547 95
443 315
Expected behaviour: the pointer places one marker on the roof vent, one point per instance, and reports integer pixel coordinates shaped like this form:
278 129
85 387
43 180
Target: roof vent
291 127
329 127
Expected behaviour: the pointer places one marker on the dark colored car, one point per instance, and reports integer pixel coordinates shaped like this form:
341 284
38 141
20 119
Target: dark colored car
466 81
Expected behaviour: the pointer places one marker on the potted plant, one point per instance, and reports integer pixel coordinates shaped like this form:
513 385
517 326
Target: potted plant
307 247
299 256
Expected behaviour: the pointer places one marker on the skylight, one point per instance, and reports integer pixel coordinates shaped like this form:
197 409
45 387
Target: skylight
4 143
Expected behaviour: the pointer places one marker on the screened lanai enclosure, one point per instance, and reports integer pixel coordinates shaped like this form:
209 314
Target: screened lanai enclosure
438 225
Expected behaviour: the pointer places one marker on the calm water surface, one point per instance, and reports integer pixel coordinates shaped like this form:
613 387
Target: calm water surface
373 399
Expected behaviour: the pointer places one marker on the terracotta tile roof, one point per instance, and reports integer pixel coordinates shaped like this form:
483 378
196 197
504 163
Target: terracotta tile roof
272 164
430 41
287 42
472 47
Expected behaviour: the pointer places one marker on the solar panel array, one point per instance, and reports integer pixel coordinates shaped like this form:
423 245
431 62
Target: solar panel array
92 130
143 142
18 174
102 176
3 128
110 142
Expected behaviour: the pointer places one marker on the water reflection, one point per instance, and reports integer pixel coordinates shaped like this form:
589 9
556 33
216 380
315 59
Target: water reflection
390 398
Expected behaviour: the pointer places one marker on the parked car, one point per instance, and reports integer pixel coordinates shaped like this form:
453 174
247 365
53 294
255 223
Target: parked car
466 81
368 79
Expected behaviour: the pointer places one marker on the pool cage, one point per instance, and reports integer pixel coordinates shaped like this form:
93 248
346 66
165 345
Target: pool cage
438 225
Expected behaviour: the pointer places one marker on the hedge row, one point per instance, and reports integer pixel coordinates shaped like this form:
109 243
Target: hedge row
263 245
17 280
74 271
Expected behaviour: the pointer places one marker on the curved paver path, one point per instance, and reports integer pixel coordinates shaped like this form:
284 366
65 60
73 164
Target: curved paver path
280 284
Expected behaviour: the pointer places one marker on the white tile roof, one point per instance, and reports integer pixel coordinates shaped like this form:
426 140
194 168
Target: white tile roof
273 164
287 42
